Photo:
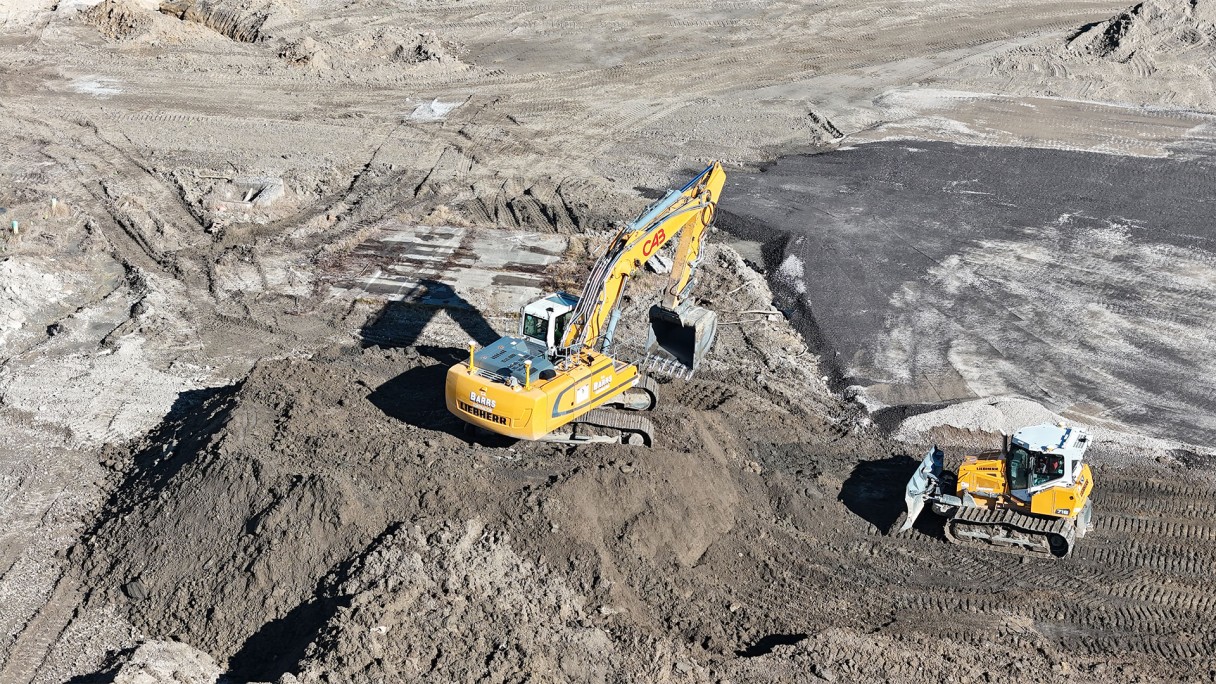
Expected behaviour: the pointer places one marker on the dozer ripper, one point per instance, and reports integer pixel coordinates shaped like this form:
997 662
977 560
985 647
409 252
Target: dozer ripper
1030 498
558 379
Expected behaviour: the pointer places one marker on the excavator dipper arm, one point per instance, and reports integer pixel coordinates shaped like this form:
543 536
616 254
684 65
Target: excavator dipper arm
686 212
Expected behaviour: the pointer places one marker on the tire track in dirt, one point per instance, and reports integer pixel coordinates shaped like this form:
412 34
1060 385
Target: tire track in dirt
39 635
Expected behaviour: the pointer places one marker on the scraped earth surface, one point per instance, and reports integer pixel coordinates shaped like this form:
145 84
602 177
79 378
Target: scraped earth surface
243 242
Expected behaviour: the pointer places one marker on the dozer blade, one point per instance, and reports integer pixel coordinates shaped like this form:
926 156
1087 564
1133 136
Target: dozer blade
923 486
685 334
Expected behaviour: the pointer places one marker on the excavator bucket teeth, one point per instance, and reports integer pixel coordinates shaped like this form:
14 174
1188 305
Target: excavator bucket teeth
923 486
685 334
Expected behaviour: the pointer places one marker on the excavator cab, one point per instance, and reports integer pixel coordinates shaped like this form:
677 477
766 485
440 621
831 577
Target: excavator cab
544 321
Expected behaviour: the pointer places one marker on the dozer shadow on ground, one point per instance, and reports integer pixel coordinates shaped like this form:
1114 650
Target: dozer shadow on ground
416 396
874 491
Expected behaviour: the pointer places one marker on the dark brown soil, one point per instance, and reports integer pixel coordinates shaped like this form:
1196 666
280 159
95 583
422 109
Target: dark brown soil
327 519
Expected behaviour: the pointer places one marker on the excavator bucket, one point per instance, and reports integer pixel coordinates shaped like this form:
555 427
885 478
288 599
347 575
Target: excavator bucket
924 486
684 334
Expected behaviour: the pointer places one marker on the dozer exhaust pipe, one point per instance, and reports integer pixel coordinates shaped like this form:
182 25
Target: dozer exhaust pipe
685 334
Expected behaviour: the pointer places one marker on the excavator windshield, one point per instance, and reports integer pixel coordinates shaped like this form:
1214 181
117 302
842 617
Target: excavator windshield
538 328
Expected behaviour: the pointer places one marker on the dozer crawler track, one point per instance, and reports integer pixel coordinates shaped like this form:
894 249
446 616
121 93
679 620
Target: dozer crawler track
1013 532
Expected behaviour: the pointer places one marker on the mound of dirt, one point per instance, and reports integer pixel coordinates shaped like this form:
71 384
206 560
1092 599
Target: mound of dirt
454 602
241 22
118 19
1154 28
335 500
167 661
426 48
305 52
1157 52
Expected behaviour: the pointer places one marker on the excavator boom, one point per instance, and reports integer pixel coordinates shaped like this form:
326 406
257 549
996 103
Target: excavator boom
684 331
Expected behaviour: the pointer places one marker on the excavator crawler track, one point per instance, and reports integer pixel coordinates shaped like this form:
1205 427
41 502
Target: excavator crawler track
632 427
1012 532
628 422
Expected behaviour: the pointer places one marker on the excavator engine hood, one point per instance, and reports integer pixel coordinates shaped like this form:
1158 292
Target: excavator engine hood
684 334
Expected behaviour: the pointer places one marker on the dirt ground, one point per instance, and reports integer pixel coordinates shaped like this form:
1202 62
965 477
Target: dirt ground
243 241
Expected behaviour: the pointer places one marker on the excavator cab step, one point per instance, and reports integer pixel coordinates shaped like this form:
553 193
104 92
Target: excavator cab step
683 336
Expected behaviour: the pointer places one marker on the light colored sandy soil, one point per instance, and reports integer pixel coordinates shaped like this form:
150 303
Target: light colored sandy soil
188 183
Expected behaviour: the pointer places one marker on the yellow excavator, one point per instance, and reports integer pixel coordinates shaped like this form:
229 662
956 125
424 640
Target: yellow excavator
558 380
1031 497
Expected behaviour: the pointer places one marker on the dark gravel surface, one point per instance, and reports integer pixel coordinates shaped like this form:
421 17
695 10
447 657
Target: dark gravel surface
932 272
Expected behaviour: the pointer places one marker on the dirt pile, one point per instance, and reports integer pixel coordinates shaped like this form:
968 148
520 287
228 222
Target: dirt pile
167 661
118 19
455 602
1155 27
332 498
241 22
426 48
305 52
1157 52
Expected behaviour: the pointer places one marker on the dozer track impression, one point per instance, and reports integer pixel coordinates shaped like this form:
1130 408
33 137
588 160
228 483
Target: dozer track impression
1011 531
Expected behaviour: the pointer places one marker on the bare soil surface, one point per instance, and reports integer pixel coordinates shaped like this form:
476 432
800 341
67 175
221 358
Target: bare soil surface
243 241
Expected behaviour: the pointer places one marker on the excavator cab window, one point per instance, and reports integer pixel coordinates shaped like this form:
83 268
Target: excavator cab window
537 328
559 328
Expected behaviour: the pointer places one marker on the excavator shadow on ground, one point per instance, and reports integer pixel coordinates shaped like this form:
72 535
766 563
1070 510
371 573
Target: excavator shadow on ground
874 491
416 396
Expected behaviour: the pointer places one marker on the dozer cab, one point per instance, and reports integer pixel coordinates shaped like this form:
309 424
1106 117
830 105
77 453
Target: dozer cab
558 376
1031 497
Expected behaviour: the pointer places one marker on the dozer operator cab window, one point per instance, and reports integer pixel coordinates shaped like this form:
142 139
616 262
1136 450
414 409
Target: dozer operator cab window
1018 462
1046 467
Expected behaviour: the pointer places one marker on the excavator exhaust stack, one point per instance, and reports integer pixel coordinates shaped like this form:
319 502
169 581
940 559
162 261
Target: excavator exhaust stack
684 334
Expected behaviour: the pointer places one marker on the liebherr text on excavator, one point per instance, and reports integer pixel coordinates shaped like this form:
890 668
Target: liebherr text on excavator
555 380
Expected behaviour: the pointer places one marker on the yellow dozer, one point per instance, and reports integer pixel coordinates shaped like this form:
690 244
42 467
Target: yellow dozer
1031 498
558 377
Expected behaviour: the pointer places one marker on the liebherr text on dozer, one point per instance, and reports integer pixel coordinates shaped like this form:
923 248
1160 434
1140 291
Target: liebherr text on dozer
558 379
